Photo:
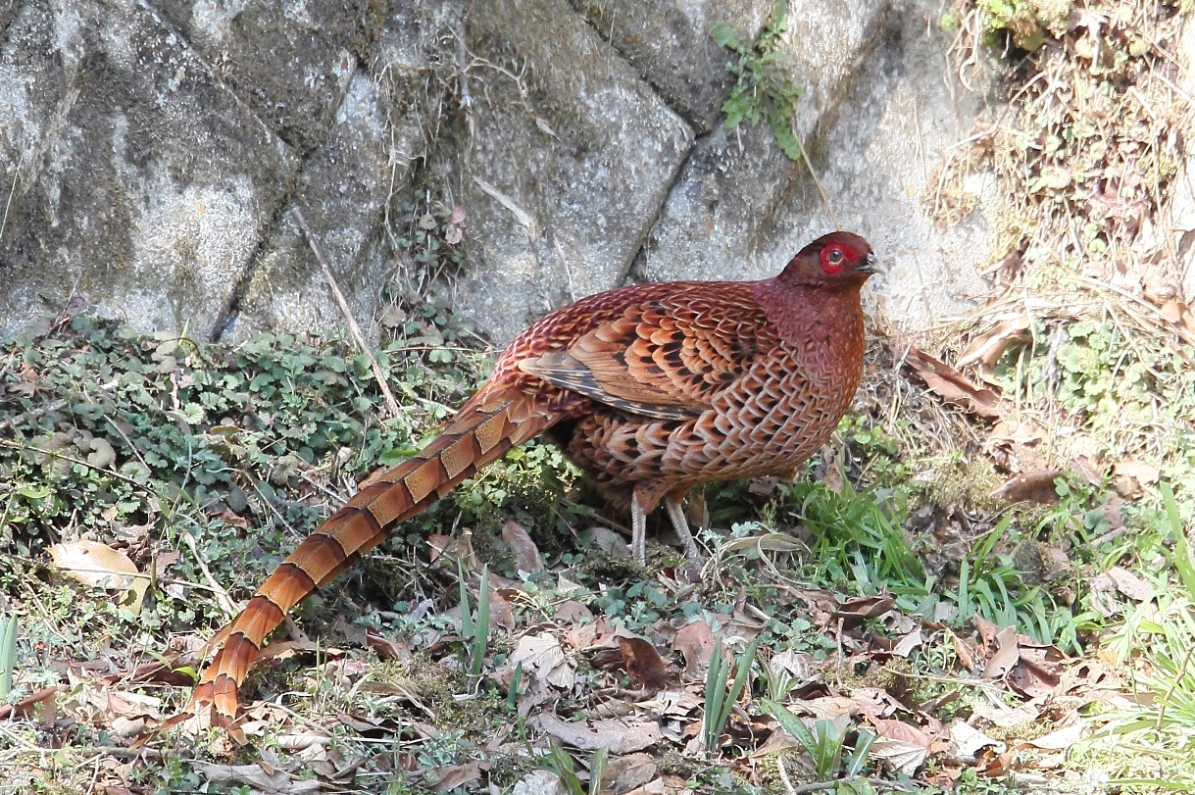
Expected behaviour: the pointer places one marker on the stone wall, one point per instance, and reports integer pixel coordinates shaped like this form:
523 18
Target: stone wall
152 154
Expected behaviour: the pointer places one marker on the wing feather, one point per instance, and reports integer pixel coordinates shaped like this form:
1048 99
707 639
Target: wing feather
665 357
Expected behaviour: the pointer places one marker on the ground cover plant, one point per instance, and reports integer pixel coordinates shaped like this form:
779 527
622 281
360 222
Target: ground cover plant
898 627
983 585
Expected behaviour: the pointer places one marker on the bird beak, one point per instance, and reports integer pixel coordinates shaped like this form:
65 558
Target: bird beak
870 265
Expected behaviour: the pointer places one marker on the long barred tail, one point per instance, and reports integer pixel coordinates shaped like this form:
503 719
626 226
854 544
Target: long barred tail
485 428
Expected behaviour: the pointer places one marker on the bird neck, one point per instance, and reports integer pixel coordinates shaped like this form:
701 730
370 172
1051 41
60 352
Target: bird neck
825 324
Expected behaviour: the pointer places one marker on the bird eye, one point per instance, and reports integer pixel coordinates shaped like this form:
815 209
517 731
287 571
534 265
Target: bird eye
833 259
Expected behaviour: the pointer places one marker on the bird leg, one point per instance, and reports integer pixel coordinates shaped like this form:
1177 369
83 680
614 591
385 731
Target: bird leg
672 502
638 527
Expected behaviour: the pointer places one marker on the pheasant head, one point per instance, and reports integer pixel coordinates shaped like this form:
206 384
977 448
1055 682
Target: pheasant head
837 261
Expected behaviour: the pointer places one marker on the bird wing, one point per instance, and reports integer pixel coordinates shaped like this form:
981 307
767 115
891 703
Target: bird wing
665 357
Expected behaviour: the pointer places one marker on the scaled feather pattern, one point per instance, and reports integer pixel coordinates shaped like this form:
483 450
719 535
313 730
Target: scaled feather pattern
649 389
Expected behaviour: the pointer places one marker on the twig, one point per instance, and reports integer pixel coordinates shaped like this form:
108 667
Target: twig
61 403
391 403
1111 535
222 596
820 189
41 695
572 293
462 70
788 785
73 460
273 509
8 204
1160 320
12 422
1169 699
525 219
329 493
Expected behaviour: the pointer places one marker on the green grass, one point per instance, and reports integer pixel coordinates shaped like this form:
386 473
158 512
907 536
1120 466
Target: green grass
1155 645
235 447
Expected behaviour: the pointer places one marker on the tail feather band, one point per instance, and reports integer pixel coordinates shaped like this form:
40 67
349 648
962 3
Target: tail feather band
483 431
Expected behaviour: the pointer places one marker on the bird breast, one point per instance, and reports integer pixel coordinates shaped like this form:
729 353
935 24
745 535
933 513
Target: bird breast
767 422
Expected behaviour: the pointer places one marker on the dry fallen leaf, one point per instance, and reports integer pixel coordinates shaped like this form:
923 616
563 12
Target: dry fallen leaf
1039 562
527 557
273 780
1007 654
679 704
27 386
899 730
581 636
570 612
1146 473
40 702
951 385
989 347
988 631
797 665
388 649
539 782
98 565
966 741
502 612
695 642
832 467
1004 716
453 776
458 549
643 663
1057 740
826 707
455 232
1038 487
777 741
1033 676
543 655
625 773
1023 431
230 518
1125 582
875 702
665 785
966 654
1129 478
618 736
904 647
902 746
164 561
1180 314
857 609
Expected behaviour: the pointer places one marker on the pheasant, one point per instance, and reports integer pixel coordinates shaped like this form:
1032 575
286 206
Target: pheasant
649 389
